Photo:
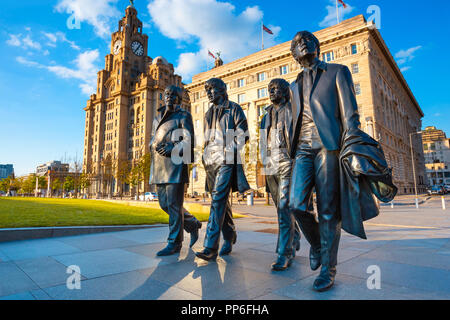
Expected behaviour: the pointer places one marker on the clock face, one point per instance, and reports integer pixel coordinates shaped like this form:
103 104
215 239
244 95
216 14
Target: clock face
138 48
117 46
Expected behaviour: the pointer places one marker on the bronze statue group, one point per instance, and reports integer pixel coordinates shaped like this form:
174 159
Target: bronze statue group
310 141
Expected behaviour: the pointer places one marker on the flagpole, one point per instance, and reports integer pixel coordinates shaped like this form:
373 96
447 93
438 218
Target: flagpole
262 34
337 11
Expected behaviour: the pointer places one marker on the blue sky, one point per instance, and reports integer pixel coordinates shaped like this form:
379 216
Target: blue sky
48 69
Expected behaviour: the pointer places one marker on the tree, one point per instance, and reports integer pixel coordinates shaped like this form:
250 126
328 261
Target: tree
4 185
136 176
106 173
57 184
122 174
42 182
28 184
69 184
85 180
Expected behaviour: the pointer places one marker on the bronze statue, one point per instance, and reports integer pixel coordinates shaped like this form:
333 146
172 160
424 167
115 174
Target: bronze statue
226 132
325 143
172 147
274 146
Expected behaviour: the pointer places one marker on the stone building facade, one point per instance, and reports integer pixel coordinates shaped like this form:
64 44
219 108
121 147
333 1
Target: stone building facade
436 147
120 113
388 109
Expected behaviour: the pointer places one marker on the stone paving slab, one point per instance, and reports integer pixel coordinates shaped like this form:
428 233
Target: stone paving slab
44 271
29 249
411 248
129 285
106 262
13 280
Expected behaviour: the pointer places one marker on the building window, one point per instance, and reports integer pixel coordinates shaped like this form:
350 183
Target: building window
284 69
240 83
241 97
328 56
261 76
355 68
262 93
357 89
354 49
197 124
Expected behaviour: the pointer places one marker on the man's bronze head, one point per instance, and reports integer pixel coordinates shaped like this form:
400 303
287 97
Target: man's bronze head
279 91
305 47
216 90
173 96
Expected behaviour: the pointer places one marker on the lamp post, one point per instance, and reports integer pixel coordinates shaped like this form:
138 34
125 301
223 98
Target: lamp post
414 166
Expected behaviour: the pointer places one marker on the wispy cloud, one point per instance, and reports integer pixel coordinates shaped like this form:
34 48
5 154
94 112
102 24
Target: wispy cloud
212 25
53 38
403 69
407 55
85 69
330 19
19 40
101 14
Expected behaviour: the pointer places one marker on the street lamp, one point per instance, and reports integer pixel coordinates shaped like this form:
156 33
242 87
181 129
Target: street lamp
413 166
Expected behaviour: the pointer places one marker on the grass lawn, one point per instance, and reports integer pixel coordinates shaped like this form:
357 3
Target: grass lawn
17 212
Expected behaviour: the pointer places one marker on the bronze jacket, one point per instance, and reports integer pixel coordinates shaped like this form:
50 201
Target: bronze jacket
230 117
283 136
364 173
163 169
333 104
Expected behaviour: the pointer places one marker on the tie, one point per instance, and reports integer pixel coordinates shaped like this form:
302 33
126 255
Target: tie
308 83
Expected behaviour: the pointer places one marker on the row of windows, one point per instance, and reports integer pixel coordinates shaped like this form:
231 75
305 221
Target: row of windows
262 76
329 55
263 93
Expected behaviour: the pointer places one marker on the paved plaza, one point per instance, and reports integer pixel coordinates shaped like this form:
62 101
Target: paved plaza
410 247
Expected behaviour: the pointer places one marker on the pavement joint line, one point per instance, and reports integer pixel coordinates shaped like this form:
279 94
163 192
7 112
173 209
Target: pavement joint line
399 226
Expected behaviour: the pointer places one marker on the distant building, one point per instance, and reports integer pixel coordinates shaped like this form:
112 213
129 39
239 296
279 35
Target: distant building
6 170
387 107
119 115
436 148
53 167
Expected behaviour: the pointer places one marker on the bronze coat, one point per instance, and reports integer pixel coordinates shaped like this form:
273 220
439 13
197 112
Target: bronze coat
364 173
162 169
333 104
231 116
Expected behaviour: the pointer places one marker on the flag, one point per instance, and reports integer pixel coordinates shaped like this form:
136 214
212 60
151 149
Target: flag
210 53
267 30
343 4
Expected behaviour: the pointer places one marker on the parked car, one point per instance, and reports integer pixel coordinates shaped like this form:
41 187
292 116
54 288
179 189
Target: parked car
439 190
149 196
447 188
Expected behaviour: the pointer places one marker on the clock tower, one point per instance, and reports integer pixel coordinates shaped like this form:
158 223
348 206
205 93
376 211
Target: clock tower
119 115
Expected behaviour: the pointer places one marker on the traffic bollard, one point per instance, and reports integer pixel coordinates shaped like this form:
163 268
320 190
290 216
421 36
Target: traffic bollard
250 199
443 203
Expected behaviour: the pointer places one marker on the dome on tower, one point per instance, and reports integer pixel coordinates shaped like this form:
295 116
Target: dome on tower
160 59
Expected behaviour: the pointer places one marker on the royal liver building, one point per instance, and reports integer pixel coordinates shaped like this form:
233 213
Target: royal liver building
119 114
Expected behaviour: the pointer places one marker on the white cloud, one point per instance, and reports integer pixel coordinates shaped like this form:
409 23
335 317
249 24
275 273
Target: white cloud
85 69
405 69
14 40
331 17
212 25
53 38
28 63
99 13
18 40
407 55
